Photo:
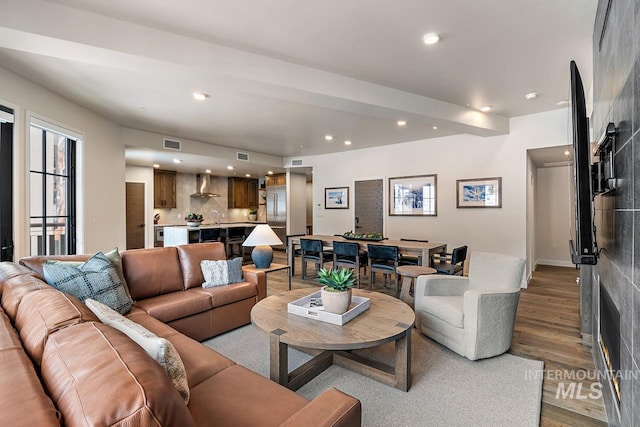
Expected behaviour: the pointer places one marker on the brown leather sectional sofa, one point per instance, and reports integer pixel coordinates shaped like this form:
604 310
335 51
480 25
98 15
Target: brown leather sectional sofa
60 366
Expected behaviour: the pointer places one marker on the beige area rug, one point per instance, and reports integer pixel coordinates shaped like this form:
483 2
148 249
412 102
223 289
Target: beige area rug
446 390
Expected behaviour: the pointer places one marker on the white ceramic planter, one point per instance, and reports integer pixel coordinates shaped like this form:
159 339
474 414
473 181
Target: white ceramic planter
335 302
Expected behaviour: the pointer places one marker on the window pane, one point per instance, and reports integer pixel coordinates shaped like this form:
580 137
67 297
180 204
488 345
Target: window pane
56 195
35 149
56 236
35 237
56 147
35 194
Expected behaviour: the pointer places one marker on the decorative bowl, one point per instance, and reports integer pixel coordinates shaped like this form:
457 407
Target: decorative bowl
194 223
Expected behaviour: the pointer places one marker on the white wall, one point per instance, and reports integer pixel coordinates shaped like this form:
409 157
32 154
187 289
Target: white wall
451 158
553 216
101 172
144 175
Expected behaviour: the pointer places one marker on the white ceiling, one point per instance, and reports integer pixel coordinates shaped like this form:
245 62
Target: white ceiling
282 74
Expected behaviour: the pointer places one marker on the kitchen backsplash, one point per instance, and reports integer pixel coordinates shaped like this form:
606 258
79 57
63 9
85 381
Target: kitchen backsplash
185 204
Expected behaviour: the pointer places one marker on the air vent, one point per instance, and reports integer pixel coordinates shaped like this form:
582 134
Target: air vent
171 144
296 162
242 156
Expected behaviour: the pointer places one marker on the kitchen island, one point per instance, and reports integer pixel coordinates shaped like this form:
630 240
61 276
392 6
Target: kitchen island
182 234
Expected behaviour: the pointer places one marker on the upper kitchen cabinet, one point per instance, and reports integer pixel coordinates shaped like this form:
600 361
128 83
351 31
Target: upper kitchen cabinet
276 180
164 189
243 193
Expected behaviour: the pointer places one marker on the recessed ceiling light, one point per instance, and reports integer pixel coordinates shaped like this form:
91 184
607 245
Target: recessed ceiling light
328 137
401 122
531 95
566 152
208 171
177 161
562 103
230 167
200 96
270 172
248 175
431 38
155 165
347 142
485 108
435 128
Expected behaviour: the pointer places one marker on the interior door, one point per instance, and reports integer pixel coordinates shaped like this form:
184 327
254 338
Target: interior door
6 184
369 206
135 215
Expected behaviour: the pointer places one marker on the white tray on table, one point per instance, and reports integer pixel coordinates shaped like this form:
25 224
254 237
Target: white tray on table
304 307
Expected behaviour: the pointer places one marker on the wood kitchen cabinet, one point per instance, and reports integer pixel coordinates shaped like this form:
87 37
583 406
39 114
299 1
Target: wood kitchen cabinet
243 193
164 189
280 179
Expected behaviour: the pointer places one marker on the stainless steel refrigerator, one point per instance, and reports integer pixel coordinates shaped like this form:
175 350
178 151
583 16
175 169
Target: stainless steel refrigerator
277 211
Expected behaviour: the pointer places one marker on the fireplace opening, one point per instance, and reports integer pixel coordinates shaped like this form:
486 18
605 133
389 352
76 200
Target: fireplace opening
610 338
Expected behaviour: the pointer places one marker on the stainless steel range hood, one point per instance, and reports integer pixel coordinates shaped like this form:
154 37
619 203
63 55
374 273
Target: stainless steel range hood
203 186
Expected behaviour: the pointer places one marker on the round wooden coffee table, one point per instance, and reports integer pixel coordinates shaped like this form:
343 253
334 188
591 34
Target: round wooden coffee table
386 320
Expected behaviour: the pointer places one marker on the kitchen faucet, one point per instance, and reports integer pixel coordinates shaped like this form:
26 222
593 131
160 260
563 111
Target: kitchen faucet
217 212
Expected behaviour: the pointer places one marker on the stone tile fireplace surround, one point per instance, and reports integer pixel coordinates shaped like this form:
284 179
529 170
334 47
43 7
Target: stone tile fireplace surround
616 98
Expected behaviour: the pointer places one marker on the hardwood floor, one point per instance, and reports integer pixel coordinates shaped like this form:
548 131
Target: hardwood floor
547 328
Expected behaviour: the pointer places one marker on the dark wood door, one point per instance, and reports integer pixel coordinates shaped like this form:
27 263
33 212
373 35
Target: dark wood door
369 209
135 215
6 188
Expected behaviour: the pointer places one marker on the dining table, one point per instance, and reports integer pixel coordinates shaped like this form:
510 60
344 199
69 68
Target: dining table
405 247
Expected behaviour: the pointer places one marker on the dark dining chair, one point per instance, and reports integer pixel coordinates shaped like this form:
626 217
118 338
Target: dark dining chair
411 259
383 259
347 254
209 235
313 251
450 263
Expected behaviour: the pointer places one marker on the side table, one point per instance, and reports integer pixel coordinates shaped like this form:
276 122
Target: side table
409 273
272 267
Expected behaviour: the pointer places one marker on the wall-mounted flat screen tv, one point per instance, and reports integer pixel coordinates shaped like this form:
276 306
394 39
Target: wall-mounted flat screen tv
583 248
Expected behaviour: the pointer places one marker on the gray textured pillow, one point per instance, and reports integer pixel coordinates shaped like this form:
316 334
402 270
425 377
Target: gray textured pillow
224 272
113 255
160 349
97 278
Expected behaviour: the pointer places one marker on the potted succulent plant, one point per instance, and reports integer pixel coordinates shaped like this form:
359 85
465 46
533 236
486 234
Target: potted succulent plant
193 220
336 292
253 214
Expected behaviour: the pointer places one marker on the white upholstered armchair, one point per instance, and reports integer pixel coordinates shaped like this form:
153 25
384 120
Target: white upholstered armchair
473 316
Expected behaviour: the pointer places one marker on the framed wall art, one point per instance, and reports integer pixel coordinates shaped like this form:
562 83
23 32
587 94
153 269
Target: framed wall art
336 198
479 193
413 195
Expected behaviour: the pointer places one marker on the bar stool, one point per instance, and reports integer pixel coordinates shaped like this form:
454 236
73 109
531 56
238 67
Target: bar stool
235 236
409 273
209 235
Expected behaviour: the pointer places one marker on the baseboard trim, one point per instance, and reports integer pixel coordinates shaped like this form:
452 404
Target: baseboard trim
554 263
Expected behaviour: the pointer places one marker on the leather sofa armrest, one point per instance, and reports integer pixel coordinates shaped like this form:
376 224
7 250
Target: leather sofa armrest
332 408
258 278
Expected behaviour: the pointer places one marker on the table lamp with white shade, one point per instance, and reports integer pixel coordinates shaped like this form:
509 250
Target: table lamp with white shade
262 237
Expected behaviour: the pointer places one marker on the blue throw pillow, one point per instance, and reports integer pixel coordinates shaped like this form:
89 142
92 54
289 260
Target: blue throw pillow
96 279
